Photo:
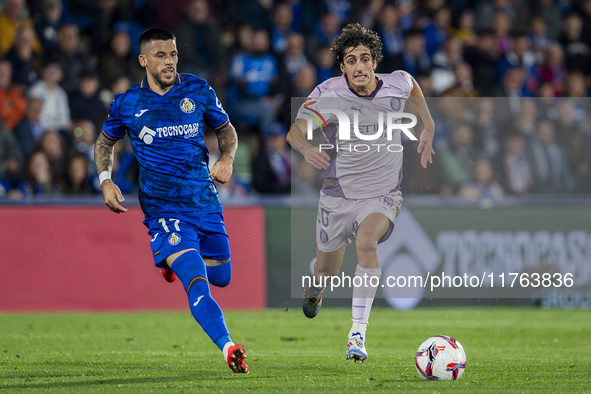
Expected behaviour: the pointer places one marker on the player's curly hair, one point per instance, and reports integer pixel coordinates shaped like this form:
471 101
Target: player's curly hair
353 35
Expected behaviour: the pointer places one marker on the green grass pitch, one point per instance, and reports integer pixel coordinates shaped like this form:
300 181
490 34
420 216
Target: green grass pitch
508 350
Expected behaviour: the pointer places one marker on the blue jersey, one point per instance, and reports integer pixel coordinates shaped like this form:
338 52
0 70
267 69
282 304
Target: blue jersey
166 133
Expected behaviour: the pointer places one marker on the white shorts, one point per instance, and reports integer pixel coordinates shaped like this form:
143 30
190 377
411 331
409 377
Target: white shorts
339 218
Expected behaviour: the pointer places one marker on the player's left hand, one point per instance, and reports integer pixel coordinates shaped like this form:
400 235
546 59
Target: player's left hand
426 147
222 169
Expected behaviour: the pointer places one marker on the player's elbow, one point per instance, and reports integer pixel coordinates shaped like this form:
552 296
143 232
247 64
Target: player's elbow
288 137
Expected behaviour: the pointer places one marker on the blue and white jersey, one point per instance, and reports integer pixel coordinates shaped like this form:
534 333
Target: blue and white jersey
166 133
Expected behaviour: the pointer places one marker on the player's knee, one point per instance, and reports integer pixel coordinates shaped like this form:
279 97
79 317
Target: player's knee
220 275
189 268
366 244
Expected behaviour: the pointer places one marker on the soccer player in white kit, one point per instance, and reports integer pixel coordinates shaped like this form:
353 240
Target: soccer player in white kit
361 195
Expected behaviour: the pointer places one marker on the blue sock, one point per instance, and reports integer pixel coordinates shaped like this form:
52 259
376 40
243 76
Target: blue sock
219 275
190 269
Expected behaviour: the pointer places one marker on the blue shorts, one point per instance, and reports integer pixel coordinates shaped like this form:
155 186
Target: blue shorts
207 234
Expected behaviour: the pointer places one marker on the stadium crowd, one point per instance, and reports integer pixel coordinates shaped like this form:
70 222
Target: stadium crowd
507 82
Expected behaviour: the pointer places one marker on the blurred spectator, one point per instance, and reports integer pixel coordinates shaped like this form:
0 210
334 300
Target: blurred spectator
77 179
53 145
390 33
519 55
567 128
84 139
550 12
325 31
414 58
39 179
120 85
70 58
118 60
85 103
463 82
426 84
444 62
501 25
281 20
437 30
55 114
511 87
29 130
577 52
482 57
341 9
457 158
538 35
575 85
255 12
483 187
11 164
488 138
464 27
294 56
12 103
22 57
202 51
11 18
325 63
47 24
549 161
255 80
514 167
583 171
552 69
170 13
271 168
525 121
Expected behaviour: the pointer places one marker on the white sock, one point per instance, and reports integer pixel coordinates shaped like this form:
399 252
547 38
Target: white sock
315 281
363 295
358 328
225 350
313 266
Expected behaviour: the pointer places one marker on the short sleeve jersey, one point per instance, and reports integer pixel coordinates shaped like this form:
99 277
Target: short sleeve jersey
357 168
166 134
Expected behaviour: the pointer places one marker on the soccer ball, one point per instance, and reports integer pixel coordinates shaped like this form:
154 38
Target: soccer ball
440 358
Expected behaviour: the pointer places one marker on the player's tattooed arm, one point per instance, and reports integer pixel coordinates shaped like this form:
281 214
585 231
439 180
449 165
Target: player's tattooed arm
228 143
103 154
103 160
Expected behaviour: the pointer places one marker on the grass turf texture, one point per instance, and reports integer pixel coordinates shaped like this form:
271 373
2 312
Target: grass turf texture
508 349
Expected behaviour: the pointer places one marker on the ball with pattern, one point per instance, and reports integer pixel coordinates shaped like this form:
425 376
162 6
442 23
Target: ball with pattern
440 358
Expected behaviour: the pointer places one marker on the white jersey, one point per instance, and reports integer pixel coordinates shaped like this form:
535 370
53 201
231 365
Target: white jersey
361 166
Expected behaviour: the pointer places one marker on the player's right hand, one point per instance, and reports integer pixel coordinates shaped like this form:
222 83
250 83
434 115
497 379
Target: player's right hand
112 195
316 157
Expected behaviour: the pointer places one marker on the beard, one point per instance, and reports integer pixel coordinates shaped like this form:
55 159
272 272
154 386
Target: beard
161 81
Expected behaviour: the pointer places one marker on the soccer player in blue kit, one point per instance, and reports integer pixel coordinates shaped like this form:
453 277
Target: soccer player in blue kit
164 117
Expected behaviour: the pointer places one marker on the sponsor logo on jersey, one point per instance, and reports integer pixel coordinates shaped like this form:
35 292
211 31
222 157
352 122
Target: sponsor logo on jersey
174 239
186 130
187 105
147 135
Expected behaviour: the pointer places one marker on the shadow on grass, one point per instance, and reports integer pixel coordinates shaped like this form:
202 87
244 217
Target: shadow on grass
43 375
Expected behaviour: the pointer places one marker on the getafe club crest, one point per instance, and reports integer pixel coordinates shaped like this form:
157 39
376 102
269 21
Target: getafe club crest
187 105
174 239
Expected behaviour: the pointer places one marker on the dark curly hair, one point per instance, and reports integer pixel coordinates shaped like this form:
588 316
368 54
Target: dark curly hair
353 35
